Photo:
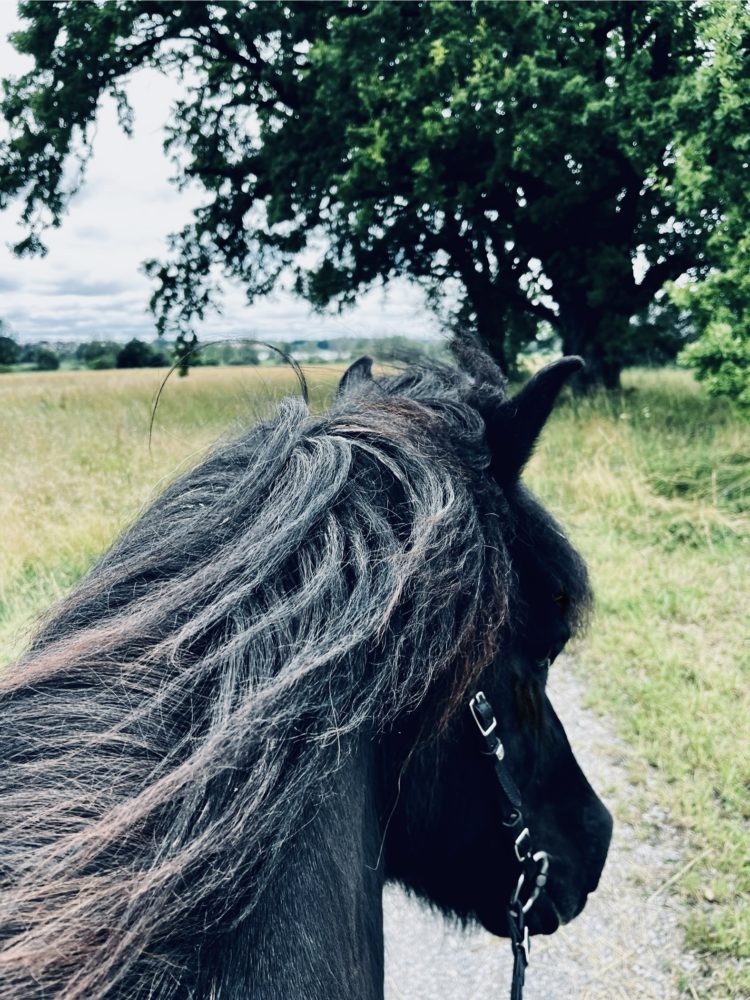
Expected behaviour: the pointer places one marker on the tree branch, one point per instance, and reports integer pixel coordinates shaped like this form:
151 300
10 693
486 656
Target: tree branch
478 286
657 274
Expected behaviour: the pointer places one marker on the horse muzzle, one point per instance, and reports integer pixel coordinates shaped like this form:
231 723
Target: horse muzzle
570 885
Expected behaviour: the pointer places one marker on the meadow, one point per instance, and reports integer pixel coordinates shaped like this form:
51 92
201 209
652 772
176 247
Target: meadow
653 484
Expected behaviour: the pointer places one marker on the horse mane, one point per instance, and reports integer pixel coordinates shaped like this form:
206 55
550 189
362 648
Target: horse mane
181 713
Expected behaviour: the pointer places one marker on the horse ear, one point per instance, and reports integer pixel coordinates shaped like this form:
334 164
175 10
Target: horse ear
512 430
359 371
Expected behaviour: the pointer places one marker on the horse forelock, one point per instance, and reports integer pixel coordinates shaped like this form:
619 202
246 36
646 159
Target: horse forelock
179 714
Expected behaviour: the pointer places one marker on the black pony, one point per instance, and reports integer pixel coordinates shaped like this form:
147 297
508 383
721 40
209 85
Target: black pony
253 711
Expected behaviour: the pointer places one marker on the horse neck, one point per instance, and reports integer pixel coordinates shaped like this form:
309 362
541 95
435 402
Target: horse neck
318 930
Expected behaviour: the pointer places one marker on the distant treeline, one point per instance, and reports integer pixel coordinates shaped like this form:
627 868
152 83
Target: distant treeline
102 354
36 356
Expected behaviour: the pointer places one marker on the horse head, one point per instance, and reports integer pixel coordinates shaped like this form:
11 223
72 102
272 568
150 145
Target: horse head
445 836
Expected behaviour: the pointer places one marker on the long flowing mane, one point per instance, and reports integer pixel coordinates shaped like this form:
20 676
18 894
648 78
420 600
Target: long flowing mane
178 717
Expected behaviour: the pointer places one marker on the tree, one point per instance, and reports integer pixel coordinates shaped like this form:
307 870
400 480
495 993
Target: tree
184 347
660 332
713 169
97 354
136 354
517 160
10 352
45 360
244 354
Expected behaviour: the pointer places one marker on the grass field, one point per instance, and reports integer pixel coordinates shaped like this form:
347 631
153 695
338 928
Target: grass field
653 485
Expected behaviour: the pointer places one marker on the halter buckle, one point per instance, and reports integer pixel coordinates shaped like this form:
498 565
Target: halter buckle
482 714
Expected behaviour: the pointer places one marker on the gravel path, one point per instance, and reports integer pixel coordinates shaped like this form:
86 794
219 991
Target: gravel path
627 942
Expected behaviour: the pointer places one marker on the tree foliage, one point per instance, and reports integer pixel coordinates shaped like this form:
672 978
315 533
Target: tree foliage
10 352
185 346
721 359
97 354
137 354
515 159
713 166
46 360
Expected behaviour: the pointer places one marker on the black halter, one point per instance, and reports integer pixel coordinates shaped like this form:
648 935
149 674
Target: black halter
533 865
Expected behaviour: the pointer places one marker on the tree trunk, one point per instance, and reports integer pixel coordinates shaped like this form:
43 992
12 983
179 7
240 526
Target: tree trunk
599 336
600 339
491 330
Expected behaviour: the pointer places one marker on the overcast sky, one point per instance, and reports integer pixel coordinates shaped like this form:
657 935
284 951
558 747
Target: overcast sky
90 286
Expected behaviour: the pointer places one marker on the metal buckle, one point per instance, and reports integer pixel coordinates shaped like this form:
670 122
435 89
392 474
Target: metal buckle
479 697
543 859
540 880
523 834
523 941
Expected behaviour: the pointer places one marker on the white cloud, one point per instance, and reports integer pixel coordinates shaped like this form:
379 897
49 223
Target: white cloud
89 284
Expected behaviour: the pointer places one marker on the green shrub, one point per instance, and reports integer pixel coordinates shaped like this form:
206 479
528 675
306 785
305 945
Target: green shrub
102 362
721 359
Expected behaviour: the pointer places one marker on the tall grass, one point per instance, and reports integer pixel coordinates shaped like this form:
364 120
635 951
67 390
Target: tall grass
653 484
76 466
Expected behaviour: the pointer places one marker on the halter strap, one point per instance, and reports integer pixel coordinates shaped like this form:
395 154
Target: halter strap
534 865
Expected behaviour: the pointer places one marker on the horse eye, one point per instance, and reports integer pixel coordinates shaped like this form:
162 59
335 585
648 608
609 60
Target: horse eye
562 601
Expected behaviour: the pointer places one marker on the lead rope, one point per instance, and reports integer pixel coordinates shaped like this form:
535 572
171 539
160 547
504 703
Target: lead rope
534 864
